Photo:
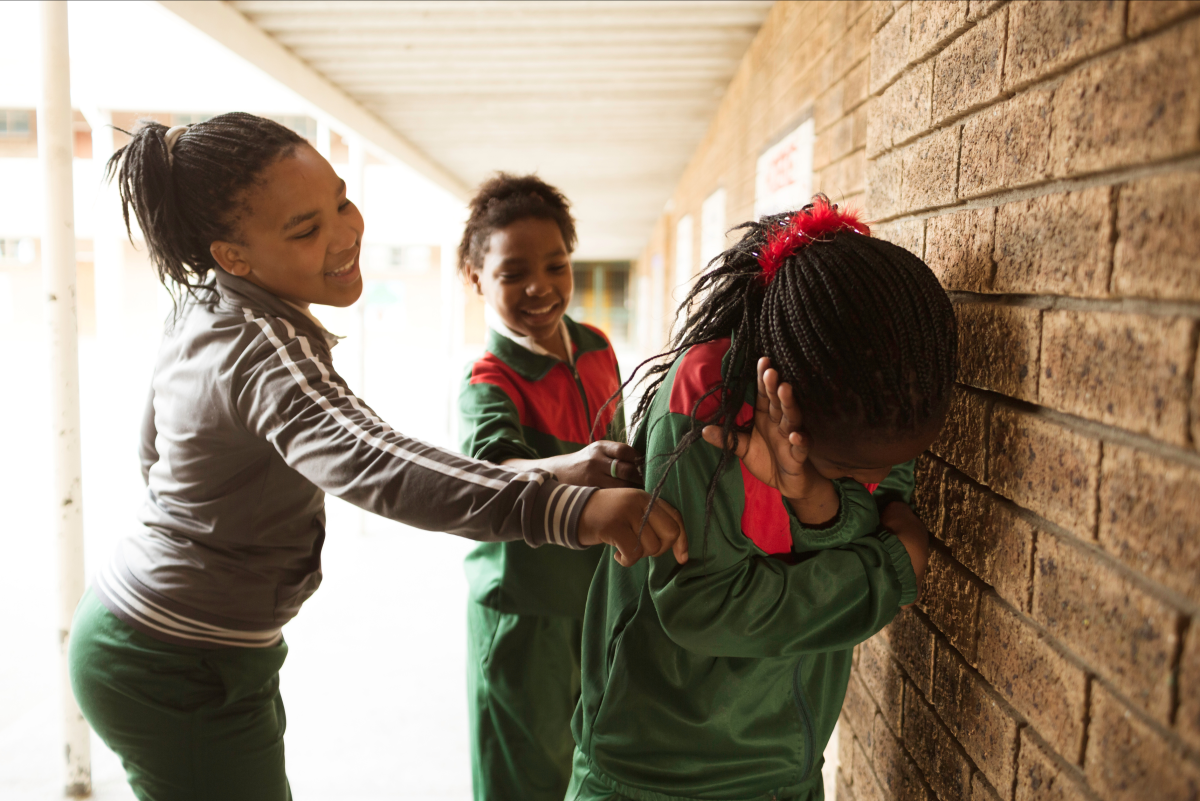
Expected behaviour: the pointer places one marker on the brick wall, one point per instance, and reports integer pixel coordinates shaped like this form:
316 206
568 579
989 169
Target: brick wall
1044 159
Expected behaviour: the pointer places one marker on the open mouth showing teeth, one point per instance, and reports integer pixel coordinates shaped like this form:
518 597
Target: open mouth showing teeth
343 269
543 310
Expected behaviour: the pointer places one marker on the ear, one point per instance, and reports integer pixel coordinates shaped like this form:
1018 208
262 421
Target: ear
231 257
475 279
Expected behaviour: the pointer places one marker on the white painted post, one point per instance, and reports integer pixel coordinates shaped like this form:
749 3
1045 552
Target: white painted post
55 148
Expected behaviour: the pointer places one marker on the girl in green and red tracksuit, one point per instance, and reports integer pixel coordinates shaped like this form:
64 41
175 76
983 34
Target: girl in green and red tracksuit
536 399
723 678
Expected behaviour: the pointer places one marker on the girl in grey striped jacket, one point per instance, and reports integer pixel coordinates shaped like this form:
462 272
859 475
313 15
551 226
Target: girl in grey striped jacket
176 648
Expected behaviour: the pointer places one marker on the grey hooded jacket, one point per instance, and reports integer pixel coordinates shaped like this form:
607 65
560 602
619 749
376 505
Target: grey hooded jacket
247 427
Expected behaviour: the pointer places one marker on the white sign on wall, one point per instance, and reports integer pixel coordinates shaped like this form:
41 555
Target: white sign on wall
783 179
712 227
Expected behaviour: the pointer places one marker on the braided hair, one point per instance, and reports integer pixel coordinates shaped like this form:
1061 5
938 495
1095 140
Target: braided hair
505 199
192 194
859 327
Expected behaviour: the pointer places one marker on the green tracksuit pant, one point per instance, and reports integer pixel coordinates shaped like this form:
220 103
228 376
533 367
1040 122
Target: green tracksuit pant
523 684
189 724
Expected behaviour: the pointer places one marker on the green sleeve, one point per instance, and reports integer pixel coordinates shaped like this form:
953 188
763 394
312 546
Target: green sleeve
490 424
898 486
731 600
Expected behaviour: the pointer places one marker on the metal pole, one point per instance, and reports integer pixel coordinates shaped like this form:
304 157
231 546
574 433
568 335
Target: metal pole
55 148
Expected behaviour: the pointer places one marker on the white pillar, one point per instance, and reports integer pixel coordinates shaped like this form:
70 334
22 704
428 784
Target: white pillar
324 140
55 145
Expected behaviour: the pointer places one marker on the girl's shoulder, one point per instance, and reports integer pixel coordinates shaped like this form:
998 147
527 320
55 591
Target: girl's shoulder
696 372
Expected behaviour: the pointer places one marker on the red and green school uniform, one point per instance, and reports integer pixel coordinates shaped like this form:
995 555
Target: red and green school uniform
723 678
526 606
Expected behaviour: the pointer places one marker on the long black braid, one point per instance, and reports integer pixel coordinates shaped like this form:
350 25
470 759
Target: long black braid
859 327
193 196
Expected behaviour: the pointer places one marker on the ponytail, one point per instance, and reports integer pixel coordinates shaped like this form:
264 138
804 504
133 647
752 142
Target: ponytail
187 192
859 327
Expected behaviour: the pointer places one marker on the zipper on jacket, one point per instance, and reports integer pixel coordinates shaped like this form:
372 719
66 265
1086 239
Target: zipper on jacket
587 410
805 719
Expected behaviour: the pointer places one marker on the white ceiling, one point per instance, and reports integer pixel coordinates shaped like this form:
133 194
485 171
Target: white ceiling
607 99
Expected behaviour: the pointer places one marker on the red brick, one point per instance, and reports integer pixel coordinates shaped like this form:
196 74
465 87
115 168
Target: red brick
1149 15
1158 237
933 23
911 641
1040 778
1127 758
950 597
902 112
1136 105
961 442
1187 718
1040 683
1088 358
896 771
890 48
1148 517
1055 244
968 72
858 710
1125 634
981 790
930 168
927 492
1045 468
1007 145
998 348
1045 36
958 248
933 748
865 786
883 186
975 716
908 234
883 679
988 538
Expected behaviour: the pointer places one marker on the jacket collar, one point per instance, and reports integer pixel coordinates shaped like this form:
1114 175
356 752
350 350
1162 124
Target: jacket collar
238 293
534 366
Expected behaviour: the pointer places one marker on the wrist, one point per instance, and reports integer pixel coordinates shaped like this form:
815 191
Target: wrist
818 506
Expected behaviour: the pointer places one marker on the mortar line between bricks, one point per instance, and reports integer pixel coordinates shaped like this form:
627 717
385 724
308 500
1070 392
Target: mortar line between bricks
1189 372
1173 741
1037 83
1125 37
1181 603
1055 185
1064 767
1087 721
1182 630
1145 306
932 53
1096 493
1012 790
1099 431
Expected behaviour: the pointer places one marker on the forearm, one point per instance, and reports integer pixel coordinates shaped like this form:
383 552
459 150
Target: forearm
819 507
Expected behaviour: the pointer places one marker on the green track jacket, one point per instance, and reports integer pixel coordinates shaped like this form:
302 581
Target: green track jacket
723 678
517 404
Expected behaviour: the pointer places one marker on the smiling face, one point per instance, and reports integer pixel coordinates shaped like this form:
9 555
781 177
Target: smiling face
526 277
299 237
868 459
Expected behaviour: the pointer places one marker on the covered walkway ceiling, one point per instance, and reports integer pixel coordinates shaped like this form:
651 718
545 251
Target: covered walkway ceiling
607 99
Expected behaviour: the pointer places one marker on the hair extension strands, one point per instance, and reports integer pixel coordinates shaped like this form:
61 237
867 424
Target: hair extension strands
808 225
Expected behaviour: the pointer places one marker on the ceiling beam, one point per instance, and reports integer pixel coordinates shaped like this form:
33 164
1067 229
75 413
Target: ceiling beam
226 26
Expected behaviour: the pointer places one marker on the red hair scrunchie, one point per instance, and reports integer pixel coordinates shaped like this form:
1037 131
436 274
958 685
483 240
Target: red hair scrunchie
805 227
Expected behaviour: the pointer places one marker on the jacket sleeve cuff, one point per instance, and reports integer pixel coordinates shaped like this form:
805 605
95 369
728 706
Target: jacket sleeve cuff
903 565
556 514
857 517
